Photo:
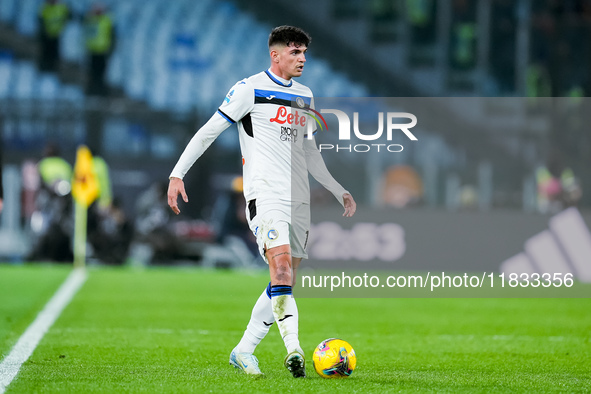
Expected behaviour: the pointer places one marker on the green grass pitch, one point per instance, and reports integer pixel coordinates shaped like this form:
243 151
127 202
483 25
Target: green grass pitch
171 330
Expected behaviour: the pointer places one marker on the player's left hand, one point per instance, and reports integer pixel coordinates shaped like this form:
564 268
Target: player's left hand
350 205
176 187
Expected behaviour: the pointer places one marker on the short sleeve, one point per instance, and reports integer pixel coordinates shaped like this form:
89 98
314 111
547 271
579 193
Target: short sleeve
238 102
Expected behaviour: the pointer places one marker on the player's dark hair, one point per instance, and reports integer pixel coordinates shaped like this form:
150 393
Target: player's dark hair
288 35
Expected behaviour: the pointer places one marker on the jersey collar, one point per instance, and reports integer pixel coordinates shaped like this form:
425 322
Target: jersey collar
278 80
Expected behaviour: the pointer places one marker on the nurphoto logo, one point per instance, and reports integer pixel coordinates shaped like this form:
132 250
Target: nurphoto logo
344 124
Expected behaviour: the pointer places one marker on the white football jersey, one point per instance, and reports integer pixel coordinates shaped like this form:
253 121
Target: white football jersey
272 115
272 122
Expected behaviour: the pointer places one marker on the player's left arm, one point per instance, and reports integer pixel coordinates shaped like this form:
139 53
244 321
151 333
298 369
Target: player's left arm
318 170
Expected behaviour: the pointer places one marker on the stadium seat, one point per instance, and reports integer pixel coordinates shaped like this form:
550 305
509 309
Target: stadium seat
25 80
72 93
26 21
193 40
7 10
49 87
72 43
6 67
157 91
115 70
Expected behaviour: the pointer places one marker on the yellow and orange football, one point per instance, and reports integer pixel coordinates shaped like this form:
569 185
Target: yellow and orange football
334 358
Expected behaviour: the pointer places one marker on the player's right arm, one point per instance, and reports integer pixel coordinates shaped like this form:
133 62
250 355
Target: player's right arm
238 102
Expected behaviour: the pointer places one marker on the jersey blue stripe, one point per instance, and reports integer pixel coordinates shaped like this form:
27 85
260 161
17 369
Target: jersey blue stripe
280 95
225 117
278 82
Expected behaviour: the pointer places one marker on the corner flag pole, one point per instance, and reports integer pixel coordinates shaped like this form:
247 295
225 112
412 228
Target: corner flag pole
80 223
85 189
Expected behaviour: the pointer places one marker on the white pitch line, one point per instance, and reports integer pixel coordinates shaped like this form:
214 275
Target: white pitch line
27 343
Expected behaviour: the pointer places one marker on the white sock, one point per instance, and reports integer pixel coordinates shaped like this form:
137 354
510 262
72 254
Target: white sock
285 311
260 322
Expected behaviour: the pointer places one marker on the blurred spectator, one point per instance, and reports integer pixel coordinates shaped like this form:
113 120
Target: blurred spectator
109 230
503 45
229 217
570 134
151 208
55 172
543 27
538 83
53 16
570 46
101 170
152 223
111 234
31 185
558 187
384 15
402 187
468 197
463 36
51 223
100 42
421 15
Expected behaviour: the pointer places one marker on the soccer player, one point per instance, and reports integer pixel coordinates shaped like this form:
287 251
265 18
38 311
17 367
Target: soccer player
277 154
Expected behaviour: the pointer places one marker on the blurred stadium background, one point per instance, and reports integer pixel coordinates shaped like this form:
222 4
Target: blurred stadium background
173 62
496 181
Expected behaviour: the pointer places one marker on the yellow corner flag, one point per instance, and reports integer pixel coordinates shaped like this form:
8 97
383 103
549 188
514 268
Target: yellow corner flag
85 188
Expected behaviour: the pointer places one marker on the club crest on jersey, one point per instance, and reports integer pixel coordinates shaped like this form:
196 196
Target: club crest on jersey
272 234
300 102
